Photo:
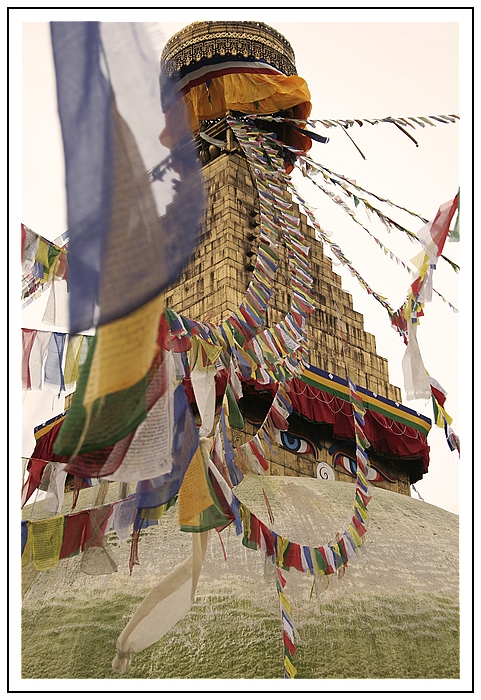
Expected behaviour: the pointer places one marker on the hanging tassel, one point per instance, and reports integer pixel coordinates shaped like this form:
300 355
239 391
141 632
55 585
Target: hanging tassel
268 506
222 545
77 484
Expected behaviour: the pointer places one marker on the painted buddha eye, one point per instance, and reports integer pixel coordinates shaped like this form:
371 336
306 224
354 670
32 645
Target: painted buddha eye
295 444
373 475
348 463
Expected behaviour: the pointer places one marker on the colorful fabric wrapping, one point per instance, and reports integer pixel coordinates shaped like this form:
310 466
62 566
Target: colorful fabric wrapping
210 88
123 248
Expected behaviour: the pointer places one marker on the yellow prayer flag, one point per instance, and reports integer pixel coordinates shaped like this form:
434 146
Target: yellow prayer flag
362 478
74 347
194 494
212 351
282 544
153 513
124 352
47 536
42 254
291 670
442 416
285 603
353 532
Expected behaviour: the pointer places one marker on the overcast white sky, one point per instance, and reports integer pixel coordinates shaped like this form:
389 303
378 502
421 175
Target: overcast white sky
358 64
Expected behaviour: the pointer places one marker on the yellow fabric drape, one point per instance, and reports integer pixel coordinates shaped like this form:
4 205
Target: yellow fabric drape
248 93
239 92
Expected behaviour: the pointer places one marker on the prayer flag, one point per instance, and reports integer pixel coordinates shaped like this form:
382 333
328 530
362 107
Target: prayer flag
123 249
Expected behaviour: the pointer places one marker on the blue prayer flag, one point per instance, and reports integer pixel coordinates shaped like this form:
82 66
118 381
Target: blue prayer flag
130 234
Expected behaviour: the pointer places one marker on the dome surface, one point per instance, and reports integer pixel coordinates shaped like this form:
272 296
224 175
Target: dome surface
394 614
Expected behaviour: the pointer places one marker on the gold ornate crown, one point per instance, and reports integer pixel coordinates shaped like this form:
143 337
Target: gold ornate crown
202 40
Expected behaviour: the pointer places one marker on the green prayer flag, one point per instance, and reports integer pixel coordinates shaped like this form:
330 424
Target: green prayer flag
235 417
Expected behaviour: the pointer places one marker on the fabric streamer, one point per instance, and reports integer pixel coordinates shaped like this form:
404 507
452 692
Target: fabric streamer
167 603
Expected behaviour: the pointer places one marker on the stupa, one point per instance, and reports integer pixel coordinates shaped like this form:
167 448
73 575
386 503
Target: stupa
394 614
213 64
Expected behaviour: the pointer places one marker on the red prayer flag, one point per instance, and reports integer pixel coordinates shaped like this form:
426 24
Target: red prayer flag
74 533
361 530
288 644
262 460
293 557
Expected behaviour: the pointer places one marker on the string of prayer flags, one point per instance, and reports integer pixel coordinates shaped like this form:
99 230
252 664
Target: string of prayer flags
52 358
433 237
339 254
307 166
287 628
43 263
47 541
399 122
441 417
388 222
276 220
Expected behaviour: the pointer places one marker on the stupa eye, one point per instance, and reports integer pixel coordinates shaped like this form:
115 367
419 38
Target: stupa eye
296 444
374 475
348 463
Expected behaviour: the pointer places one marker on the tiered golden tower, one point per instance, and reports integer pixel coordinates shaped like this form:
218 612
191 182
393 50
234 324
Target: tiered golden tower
213 284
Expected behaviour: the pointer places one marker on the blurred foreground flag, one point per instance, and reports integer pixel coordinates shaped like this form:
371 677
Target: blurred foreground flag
125 247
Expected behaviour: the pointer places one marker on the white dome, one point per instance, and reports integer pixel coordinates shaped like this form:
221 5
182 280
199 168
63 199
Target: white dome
395 613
